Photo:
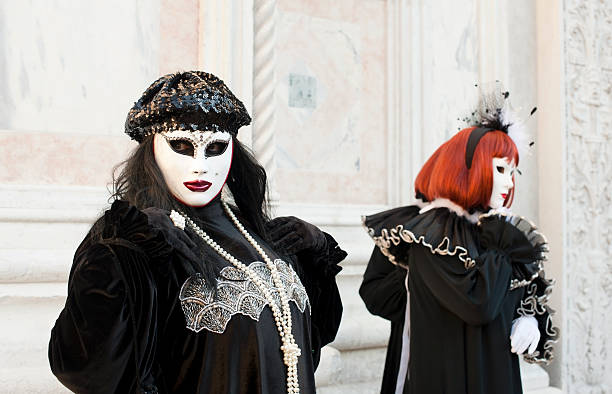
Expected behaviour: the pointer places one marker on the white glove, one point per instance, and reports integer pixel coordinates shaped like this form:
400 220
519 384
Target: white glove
524 334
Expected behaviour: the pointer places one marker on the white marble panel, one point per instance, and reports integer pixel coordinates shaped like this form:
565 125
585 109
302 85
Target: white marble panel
329 52
449 68
75 66
335 147
521 82
453 62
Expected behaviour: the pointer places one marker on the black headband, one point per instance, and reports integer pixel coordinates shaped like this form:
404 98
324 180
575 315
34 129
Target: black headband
475 137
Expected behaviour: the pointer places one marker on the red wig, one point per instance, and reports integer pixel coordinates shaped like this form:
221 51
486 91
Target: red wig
445 174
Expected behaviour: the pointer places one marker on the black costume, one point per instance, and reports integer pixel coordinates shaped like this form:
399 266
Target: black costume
466 284
123 329
154 307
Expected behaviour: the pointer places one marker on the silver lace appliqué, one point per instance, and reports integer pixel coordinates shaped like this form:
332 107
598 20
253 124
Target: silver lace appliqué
236 293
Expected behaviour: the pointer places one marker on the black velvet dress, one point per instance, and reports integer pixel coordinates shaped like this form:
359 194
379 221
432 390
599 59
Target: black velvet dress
140 319
466 284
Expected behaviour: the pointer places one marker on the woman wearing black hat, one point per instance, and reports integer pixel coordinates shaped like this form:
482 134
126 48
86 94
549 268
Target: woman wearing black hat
176 290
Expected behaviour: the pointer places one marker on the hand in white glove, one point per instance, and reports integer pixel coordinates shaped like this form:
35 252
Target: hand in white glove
524 334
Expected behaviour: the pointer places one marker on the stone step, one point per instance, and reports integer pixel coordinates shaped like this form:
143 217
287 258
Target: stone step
351 372
31 380
547 390
352 366
19 294
533 376
37 235
28 313
372 387
361 330
329 366
35 265
348 284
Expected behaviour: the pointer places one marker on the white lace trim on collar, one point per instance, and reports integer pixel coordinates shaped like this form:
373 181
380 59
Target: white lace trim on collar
451 206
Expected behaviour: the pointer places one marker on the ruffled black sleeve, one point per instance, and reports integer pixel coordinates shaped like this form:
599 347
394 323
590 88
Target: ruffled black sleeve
527 259
535 303
318 270
105 337
528 252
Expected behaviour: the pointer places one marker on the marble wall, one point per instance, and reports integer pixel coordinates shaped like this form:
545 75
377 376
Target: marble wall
67 66
69 71
333 148
450 67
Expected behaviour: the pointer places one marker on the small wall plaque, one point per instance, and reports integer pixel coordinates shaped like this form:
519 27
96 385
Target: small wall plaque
302 91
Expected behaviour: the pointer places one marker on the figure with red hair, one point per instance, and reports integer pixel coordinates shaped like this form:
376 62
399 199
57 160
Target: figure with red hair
458 275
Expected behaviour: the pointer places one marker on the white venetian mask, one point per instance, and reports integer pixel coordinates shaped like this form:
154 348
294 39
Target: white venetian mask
503 171
195 164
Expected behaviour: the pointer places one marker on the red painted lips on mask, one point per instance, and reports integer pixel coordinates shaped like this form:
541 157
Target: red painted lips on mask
197 186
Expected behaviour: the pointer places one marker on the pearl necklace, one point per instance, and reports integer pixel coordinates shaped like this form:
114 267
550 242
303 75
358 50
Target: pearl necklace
282 316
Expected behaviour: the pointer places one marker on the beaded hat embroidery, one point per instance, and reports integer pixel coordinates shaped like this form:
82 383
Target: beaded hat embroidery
190 100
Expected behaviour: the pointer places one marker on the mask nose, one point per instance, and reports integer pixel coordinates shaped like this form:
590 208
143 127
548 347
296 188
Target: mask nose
199 165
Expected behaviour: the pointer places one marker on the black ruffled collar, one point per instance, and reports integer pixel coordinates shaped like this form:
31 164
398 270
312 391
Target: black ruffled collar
440 230
445 232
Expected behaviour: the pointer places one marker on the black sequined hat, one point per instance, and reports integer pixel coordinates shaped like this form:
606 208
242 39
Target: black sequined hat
191 100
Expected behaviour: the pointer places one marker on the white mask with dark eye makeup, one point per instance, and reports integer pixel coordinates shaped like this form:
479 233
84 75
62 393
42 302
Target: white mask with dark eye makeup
195 164
503 172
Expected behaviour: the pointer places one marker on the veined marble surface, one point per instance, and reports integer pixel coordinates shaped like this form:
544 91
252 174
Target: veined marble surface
70 66
336 150
449 68
330 52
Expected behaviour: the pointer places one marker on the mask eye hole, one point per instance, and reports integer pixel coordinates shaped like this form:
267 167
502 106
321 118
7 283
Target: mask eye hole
183 147
500 169
216 148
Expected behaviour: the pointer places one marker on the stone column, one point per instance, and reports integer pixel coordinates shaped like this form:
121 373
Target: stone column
264 83
587 60
550 145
